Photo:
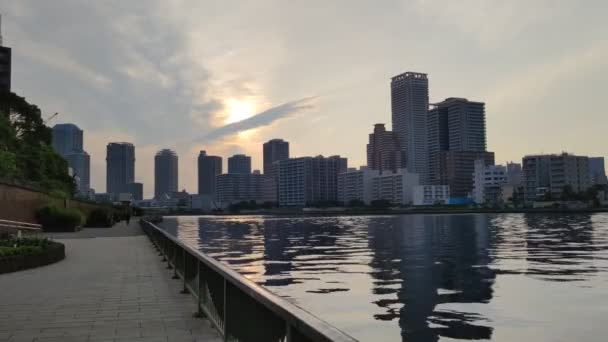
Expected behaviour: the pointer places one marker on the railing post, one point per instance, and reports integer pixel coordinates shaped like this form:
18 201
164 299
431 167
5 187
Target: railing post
287 331
184 267
200 290
226 327
175 265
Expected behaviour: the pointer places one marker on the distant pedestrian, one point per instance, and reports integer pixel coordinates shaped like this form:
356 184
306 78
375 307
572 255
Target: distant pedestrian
128 218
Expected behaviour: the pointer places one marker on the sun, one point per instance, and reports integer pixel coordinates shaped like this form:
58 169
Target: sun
238 110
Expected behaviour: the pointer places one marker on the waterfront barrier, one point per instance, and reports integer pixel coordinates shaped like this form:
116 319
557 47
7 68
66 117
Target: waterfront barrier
239 309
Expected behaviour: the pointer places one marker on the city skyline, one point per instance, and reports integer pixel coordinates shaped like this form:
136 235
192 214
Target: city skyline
140 86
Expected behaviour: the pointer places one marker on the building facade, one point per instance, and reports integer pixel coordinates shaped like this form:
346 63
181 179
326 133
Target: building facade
383 150
68 143
457 168
597 171
239 163
368 185
409 106
455 124
395 187
120 167
5 67
67 138
554 173
274 150
209 167
488 181
80 162
238 187
514 174
569 171
431 195
308 180
136 190
166 176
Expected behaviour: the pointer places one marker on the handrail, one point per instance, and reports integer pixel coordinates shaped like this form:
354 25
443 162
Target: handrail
20 225
300 325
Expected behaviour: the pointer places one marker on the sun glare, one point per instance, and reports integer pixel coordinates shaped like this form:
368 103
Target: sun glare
238 110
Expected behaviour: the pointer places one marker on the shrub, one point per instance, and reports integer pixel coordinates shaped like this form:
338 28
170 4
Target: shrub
53 218
101 217
23 253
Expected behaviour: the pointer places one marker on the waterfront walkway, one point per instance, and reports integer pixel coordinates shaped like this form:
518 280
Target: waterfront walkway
112 286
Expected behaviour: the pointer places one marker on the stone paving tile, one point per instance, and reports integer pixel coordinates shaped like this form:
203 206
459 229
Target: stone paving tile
112 286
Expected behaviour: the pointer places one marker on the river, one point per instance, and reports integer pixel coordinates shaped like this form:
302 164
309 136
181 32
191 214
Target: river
500 277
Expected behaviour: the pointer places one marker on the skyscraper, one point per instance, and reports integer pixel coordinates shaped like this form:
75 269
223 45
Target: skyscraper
165 173
410 104
274 150
67 138
67 142
120 167
5 66
383 150
208 169
239 163
455 124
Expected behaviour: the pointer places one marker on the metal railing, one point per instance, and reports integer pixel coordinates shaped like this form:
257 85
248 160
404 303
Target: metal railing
15 227
238 308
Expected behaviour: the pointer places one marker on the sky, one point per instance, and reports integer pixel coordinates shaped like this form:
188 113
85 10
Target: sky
226 76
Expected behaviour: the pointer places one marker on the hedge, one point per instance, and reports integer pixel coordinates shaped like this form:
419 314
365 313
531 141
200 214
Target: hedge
55 219
20 254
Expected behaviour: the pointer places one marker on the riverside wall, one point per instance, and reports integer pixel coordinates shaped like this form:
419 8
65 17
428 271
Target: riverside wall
19 203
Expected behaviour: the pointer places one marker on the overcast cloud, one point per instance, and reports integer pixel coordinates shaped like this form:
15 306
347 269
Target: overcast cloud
162 72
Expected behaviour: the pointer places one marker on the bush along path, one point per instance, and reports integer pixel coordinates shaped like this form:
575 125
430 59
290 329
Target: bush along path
24 253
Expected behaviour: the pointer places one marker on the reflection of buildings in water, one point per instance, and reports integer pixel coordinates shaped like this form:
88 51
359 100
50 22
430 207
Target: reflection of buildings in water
436 260
287 239
231 241
560 247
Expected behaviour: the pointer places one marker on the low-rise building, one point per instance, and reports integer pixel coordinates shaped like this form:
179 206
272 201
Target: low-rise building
355 185
550 175
395 187
239 187
431 194
488 181
370 185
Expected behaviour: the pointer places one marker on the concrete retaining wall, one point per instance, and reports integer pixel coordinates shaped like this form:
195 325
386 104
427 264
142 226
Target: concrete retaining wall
20 203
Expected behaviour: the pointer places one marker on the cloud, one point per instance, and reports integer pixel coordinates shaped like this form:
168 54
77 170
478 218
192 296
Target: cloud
264 118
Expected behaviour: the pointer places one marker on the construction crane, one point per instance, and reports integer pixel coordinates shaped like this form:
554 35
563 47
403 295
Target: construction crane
50 118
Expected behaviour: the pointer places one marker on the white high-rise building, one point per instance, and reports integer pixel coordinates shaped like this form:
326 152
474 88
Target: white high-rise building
410 104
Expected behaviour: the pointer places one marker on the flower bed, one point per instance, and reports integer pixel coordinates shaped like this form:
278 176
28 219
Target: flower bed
21 254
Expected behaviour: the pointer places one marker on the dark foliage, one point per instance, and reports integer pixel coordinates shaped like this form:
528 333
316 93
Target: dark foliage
101 217
26 155
59 219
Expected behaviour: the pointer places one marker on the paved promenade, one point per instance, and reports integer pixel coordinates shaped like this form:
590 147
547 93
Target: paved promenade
112 286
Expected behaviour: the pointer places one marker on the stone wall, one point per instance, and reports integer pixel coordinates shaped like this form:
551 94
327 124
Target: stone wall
20 203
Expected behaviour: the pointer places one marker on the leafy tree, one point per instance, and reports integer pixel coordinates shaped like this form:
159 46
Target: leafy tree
26 154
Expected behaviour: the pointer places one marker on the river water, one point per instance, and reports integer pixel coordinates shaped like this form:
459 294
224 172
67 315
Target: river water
503 277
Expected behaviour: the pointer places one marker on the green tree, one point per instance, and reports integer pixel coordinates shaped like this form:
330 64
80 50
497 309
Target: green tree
26 154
